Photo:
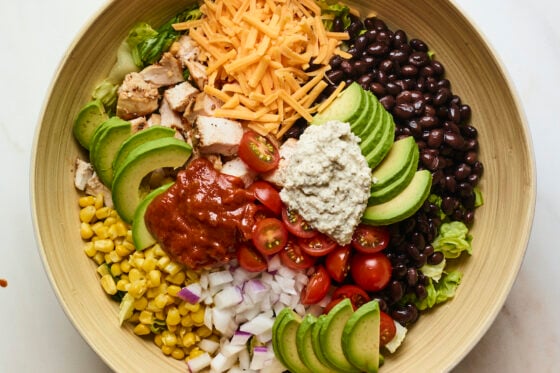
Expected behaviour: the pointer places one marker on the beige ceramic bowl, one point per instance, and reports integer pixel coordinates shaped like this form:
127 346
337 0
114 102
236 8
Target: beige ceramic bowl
442 337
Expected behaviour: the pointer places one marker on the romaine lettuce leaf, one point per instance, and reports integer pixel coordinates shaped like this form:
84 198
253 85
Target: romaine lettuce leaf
453 238
433 271
438 292
332 9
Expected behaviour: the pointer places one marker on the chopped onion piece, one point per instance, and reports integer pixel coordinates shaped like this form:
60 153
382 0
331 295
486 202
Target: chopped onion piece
221 363
191 293
258 325
219 278
394 343
199 363
274 263
208 345
240 338
229 296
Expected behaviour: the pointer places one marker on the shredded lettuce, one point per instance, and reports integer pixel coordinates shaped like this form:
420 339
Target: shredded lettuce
438 291
453 239
332 9
106 92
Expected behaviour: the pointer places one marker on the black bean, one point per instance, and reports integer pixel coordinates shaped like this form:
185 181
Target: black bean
419 59
398 56
386 65
435 138
396 290
454 140
436 258
428 251
335 76
469 131
371 35
411 276
465 189
361 42
478 168
450 184
473 179
442 96
405 97
418 45
360 67
388 102
399 270
377 49
385 36
468 218
405 315
439 70
347 67
428 122
421 292
427 71
335 61
400 38
448 205
465 113
443 83
338 25
462 171
404 111
378 89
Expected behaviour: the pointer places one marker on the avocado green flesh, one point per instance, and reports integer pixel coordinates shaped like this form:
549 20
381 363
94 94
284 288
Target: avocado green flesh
305 346
404 204
276 333
331 335
105 146
378 129
361 123
139 138
141 236
316 342
345 107
360 338
91 115
381 148
165 152
395 163
378 196
286 343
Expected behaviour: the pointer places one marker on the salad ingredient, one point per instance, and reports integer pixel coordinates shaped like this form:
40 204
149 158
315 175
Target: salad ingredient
346 107
155 154
400 334
294 257
166 72
453 238
304 345
317 287
250 259
105 144
371 272
370 239
236 167
258 152
269 236
136 97
180 96
396 163
357 295
141 237
360 337
318 245
218 135
285 151
296 225
285 336
266 194
337 263
201 218
387 329
327 180
437 292
404 204
90 116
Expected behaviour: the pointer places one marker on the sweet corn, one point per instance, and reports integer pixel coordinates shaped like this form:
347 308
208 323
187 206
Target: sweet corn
100 230
98 258
157 340
141 304
116 269
123 285
87 214
105 246
141 329
177 279
168 338
154 278
173 290
204 332
85 231
103 213
161 300
172 268
149 264
99 201
198 316
167 350
134 275
137 288
146 317
103 270
90 250
125 266
124 249
187 321
86 201
195 352
108 284
173 317
189 339
178 353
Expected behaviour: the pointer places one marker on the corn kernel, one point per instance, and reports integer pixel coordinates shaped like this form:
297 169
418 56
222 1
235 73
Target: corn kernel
204 332
135 318
146 317
173 329
137 288
99 258
177 279
103 270
134 275
163 262
105 246
100 230
108 284
161 300
157 340
154 278
124 249
87 214
178 353
86 201
167 350
173 316
102 213
109 220
187 321
152 306
195 352
192 307
198 316
85 231
158 251
123 285
141 329
173 290
168 338
141 304
172 268
189 339
149 253
116 269
120 228
89 249
99 201
160 315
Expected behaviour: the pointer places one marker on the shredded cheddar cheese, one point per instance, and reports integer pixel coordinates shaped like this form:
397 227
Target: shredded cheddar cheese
258 55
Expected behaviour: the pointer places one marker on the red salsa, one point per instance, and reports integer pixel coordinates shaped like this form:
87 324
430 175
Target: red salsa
201 219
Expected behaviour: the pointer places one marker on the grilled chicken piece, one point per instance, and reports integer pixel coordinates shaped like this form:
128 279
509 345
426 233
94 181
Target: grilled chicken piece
204 105
169 117
197 72
136 97
180 96
185 49
154 120
84 172
138 124
236 167
95 187
166 72
218 135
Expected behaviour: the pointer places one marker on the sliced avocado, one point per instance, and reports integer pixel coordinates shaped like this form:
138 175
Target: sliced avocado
276 333
377 129
346 107
331 335
391 189
382 147
105 144
141 237
360 337
404 204
140 137
361 123
90 116
395 163
304 344
285 345
316 342
159 153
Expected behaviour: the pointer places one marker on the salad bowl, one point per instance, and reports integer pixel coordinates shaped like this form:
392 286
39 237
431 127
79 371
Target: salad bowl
443 336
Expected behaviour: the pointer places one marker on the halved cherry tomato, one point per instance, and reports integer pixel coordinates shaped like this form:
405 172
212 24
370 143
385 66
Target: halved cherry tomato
250 259
294 257
370 239
296 225
337 263
387 329
270 236
317 287
266 194
331 304
318 245
258 152
357 295
371 272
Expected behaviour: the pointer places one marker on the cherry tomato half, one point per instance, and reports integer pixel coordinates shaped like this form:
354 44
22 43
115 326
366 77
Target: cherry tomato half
296 225
266 194
258 152
270 236
357 295
317 287
371 272
294 257
250 259
370 239
337 263
318 245
387 329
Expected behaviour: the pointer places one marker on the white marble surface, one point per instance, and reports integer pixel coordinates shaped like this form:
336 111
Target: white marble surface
37 336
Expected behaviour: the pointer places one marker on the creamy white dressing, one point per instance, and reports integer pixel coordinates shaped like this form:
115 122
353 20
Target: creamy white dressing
327 180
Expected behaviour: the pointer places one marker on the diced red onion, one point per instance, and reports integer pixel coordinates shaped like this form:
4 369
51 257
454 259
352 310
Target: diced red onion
199 363
191 293
240 338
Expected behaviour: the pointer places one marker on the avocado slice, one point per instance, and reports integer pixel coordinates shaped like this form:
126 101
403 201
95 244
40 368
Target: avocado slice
404 204
360 337
346 107
377 127
316 342
304 344
400 171
90 116
382 147
360 125
158 153
141 237
105 144
284 341
140 137
331 335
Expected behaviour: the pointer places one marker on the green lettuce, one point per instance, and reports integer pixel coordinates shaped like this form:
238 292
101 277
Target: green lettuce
434 271
438 291
331 10
453 238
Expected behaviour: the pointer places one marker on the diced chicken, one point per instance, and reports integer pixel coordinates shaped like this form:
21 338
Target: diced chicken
236 167
154 120
84 172
197 72
204 105
216 160
136 97
169 117
185 49
167 71
94 187
286 150
180 96
218 135
138 124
